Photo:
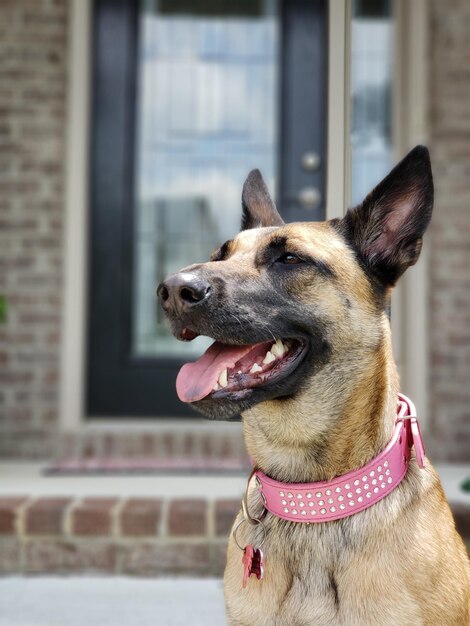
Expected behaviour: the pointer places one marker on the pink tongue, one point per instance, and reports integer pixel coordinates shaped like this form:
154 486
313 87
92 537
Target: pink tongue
196 380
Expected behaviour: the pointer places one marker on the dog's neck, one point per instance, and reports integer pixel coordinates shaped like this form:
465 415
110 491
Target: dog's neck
330 428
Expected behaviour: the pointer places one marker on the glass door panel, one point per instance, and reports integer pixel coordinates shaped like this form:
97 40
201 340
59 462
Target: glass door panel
372 31
207 113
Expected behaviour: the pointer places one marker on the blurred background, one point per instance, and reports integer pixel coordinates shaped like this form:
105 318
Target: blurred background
127 129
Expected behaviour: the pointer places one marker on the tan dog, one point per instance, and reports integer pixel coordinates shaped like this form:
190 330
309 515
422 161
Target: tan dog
325 404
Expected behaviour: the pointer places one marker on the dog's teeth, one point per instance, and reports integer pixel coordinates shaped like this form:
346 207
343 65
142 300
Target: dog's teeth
223 378
216 387
278 349
255 368
269 358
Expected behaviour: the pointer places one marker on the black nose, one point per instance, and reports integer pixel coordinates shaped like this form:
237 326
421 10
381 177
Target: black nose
180 292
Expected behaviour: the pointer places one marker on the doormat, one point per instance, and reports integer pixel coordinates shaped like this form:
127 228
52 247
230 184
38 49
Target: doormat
142 466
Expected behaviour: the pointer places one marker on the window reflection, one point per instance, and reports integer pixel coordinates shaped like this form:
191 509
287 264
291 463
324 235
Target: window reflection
371 76
207 114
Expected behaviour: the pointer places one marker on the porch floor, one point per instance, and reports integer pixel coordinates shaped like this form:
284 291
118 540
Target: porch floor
22 478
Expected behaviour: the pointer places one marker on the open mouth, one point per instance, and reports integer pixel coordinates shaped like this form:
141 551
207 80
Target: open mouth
229 371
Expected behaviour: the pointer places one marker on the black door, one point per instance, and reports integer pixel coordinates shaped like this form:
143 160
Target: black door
188 96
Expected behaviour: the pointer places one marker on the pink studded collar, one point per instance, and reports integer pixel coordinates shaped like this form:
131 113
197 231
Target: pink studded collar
352 492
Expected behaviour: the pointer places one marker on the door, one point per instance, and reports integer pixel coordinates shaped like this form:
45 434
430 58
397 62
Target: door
189 95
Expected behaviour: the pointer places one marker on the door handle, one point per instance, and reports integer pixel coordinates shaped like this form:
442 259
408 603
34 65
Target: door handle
310 161
309 198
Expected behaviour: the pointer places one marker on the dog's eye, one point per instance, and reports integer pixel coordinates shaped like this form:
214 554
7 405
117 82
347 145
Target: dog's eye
289 259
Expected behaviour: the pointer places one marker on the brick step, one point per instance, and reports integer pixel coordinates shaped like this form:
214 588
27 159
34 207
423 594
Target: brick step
169 439
136 536
133 536
142 466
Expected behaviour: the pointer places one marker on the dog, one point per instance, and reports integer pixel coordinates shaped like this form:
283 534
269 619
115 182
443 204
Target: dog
303 352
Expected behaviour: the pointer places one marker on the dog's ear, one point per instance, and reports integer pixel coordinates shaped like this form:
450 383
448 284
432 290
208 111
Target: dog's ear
387 228
258 207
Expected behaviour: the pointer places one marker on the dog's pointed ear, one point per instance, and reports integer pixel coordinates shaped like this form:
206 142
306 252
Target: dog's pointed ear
387 228
258 207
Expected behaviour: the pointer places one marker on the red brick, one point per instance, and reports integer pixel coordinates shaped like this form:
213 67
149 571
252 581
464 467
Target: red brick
16 337
218 558
187 517
42 557
20 416
207 444
168 559
39 319
227 447
168 442
15 377
10 556
108 444
188 444
46 516
89 448
148 444
141 517
225 513
8 514
93 516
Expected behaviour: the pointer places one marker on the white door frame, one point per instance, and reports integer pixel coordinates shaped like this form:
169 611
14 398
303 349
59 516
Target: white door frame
72 382
338 111
410 124
410 324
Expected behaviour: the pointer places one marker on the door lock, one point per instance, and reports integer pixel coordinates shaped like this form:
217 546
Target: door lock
309 198
310 161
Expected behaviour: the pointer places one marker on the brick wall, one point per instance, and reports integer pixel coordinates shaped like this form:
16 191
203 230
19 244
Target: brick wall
196 441
33 81
142 537
449 95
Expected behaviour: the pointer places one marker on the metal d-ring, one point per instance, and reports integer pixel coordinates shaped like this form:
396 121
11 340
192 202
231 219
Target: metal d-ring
255 522
252 520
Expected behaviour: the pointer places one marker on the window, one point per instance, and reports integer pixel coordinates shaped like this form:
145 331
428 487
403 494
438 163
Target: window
372 32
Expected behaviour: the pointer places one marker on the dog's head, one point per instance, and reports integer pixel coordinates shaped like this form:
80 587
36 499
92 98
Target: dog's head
282 300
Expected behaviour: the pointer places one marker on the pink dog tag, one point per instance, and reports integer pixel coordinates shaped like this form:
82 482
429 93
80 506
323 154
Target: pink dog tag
257 565
253 564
